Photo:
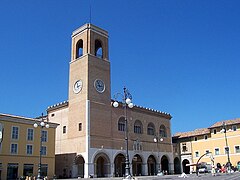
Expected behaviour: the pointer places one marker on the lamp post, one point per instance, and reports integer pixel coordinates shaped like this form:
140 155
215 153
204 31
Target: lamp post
224 130
126 103
158 139
42 125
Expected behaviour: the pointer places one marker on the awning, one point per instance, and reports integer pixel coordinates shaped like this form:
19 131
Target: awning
192 164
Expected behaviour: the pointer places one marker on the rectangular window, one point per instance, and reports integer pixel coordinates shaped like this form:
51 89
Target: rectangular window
217 151
176 149
184 147
237 149
29 149
15 132
12 171
195 138
150 131
44 150
80 127
226 150
234 128
205 137
30 134
44 136
27 169
196 154
214 131
14 148
121 126
64 129
44 171
137 146
137 129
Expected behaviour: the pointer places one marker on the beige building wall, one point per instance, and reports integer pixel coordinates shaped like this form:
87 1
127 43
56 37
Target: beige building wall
218 141
211 140
60 116
21 157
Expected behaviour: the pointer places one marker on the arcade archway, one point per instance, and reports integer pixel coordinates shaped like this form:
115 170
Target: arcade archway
151 165
137 165
119 165
177 166
102 165
79 162
164 164
186 169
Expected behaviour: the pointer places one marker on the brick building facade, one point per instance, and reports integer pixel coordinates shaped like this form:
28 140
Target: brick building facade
90 139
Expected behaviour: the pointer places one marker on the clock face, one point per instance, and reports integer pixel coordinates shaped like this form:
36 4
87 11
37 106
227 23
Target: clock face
99 85
77 87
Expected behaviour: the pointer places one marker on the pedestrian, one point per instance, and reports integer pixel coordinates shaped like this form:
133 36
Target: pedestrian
223 168
213 171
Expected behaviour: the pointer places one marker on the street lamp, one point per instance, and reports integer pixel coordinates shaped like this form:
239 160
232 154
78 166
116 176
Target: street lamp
126 98
42 125
158 139
224 130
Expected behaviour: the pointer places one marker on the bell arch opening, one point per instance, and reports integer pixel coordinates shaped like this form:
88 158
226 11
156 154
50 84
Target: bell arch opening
79 48
98 49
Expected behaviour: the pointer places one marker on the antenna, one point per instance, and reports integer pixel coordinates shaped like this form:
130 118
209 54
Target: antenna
90 13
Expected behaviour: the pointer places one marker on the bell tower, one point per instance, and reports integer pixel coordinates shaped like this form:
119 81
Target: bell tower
89 85
90 66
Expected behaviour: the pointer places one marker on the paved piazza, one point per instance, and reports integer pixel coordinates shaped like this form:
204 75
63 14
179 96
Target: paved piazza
232 176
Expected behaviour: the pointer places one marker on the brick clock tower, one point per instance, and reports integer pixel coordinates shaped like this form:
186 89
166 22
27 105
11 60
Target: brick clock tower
90 138
89 114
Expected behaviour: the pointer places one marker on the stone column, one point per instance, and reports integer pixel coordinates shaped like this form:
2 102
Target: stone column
145 169
171 169
88 170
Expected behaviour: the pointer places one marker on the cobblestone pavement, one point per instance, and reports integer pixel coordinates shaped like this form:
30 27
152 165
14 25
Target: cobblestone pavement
232 176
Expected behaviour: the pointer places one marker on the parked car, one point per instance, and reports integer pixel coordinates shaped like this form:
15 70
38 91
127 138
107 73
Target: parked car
203 170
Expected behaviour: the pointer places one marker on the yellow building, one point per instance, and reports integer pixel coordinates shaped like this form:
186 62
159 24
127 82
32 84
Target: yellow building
214 142
20 147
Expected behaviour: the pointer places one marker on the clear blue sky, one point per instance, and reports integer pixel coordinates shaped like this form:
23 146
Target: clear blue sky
180 57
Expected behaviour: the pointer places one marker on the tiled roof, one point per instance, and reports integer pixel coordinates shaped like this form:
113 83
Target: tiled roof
196 132
2 115
23 120
206 130
227 122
